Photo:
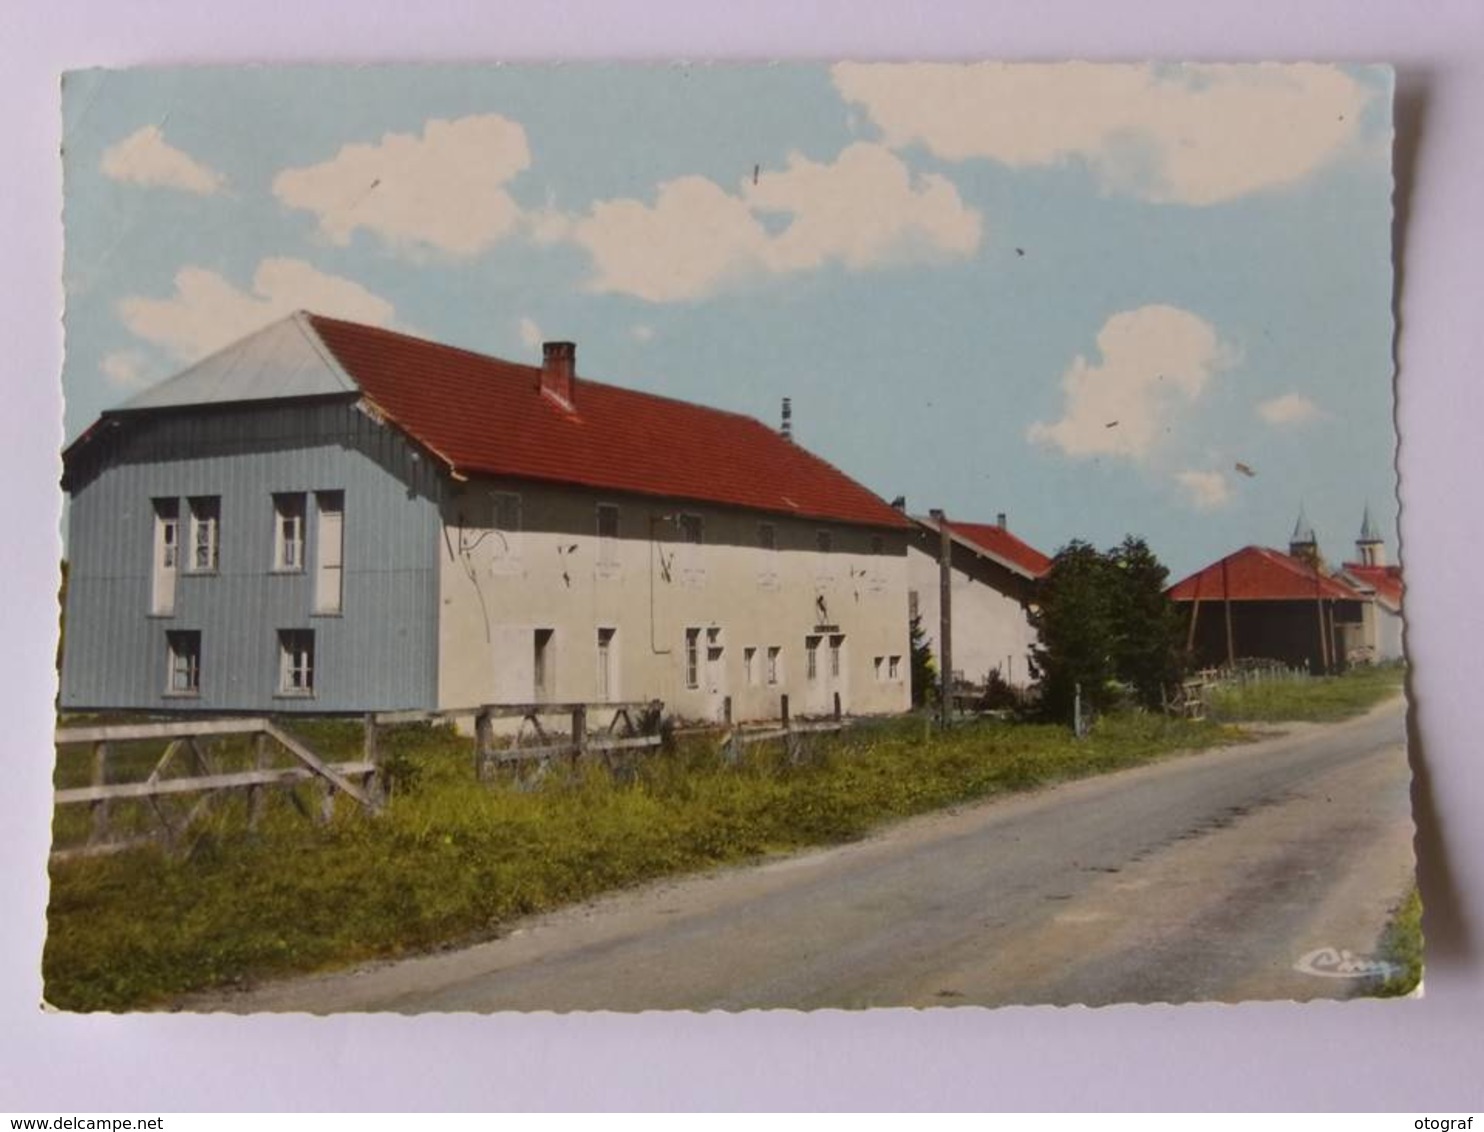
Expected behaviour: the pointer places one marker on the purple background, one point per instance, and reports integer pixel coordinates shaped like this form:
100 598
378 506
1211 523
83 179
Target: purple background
1420 1056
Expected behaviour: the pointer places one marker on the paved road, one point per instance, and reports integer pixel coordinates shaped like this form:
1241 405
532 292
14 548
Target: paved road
1204 877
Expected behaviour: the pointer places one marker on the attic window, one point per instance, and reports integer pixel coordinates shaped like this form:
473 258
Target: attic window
692 529
767 536
825 541
506 508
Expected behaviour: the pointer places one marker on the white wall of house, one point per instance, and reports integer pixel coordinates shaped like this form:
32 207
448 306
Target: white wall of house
533 599
990 623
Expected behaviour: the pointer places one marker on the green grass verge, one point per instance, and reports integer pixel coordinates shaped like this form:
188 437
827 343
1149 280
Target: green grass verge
450 861
1320 699
1401 946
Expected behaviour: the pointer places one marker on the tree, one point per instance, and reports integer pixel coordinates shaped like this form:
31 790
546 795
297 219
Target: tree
1105 623
924 669
1074 621
1146 625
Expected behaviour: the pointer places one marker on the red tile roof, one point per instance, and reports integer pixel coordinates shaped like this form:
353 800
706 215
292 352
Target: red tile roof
1256 573
1000 543
1385 580
485 415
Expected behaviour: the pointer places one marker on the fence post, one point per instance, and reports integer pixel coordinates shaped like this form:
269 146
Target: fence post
783 709
579 728
837 707
1077 712
371 753
484 735
257 797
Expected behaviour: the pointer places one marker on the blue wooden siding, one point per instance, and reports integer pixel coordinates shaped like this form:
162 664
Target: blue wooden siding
381 652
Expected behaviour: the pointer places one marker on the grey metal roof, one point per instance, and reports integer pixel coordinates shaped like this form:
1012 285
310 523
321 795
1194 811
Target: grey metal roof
284 359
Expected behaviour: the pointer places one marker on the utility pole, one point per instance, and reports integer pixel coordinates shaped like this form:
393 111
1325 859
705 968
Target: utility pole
945 617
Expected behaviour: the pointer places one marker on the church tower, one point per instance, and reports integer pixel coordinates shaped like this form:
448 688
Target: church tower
1303 544
1370 546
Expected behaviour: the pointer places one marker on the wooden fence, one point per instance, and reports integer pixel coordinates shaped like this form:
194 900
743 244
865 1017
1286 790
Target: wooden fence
355 780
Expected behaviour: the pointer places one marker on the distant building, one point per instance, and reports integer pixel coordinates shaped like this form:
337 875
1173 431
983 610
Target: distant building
1380 636
328 517
994 576
1262 604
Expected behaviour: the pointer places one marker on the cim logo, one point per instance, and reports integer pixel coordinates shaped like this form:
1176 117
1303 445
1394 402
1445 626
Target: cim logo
1337 963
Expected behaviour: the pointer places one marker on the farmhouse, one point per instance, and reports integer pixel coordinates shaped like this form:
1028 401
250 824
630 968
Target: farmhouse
1259 603
993 582
329 517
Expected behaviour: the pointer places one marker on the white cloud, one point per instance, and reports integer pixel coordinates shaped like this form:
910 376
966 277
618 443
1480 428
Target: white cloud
530 334
1152 363
1205 490
444 189
125 369
864 209
1289 409
1194 135
145 158
643 333
207 312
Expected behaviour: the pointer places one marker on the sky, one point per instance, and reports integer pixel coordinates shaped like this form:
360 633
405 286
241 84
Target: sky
1102 299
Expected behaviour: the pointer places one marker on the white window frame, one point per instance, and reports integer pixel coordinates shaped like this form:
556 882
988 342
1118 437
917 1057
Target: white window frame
297 663
693 658
289 532
166 561
183 662
894 668
329 552
837 646
811 658
206 519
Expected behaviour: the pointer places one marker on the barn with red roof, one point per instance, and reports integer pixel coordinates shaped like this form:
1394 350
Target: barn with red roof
1262 604
993 587
331 517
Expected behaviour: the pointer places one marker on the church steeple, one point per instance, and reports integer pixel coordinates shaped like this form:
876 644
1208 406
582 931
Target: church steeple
1304 543
1370 546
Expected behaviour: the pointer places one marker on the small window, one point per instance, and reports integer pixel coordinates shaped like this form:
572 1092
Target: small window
775 658
811 659
607 534
205 533
767 536
836 644
911 605
825 541
878 665
505 506
288 532
692 529
878 544
605 664
749 665
296 662
183 675
894 668
692 659
541 663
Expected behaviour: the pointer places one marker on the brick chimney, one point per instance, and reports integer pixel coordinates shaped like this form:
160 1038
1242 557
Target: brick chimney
559 370
1000 520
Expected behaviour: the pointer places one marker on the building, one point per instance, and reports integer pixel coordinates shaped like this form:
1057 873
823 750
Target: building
1262 604
328 517
1380 635
994 576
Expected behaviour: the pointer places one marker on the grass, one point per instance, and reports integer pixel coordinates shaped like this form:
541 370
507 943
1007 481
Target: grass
1401 946
1320 699
450 861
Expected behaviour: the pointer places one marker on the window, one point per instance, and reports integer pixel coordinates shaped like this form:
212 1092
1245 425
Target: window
296 662
205 521
749 665
692 529
505 508
774 664
605 664
811 658
288 532
166 556
767 536
692 660
183 674
878 665
878 544
894 668
911 605
607 534
329 537
824 541
836 643
542 676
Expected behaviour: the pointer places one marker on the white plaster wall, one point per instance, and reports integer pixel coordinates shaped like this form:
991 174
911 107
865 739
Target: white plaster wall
990 626
498 588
